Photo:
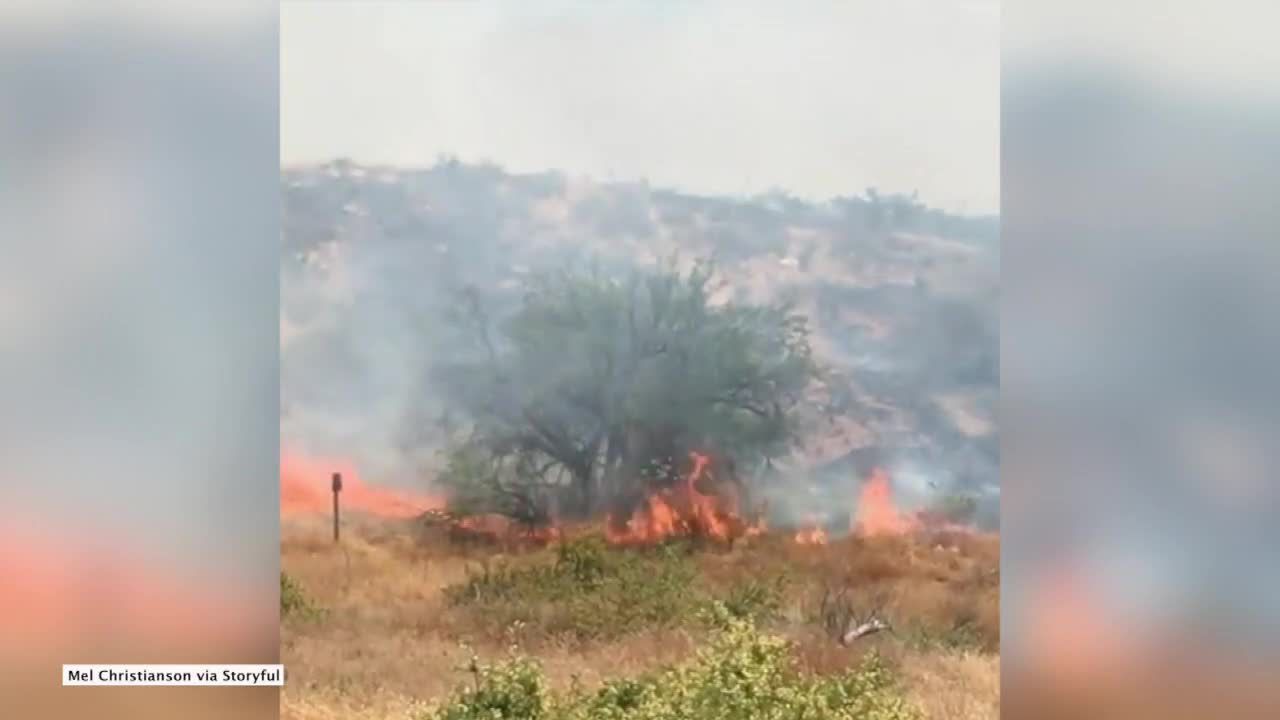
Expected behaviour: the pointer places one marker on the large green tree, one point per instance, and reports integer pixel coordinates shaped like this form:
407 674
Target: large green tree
595 381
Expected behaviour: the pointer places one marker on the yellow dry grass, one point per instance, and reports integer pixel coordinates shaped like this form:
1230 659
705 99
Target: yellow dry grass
385 645
953 685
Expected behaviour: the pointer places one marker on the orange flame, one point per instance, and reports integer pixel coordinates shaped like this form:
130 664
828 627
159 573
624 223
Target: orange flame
492 528
305 489
682 511
876 513
811 534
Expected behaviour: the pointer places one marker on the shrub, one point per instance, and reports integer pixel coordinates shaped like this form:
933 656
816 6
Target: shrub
755 599
962 635
742 674
958 508
590 592
584 562
515 690
498 583
294 602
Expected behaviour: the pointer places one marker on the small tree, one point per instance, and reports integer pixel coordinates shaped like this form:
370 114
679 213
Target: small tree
595 379
959 508
482 481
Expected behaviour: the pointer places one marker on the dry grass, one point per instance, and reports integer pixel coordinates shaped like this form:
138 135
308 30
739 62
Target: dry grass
953 685
388 642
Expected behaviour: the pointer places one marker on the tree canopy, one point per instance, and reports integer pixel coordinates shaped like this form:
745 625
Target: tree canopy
597 383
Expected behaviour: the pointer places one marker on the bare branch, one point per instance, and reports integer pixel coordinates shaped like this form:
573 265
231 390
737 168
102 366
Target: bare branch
870 627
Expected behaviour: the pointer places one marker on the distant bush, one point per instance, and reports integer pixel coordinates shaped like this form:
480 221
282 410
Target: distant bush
963 635
958 508
743 674
294 602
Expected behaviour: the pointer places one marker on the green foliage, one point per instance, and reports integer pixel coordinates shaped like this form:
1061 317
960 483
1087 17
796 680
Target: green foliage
724 374
755 599
585 562
469 475
294 602
497 583
744 674
481 481
594 376
961 636
958 508
512 691
590 592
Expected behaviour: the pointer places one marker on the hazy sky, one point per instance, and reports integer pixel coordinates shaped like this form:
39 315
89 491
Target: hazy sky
817 98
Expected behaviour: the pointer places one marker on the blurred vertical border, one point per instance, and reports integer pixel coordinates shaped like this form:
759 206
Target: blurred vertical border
1141 515
139 165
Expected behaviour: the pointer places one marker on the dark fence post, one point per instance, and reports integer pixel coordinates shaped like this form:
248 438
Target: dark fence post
337 488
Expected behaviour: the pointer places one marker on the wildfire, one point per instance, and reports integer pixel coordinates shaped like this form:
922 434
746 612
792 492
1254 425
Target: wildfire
876 513
305 489
499 529
681 511
812 534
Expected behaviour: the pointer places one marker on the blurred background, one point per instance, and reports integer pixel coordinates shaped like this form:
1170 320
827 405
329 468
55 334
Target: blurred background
1142 552
138 290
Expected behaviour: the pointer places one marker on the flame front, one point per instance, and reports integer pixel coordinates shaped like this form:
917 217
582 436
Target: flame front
876 512
305 490
495 528
681 511
812 534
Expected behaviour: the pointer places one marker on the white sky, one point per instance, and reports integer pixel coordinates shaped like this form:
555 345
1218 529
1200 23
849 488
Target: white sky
817 98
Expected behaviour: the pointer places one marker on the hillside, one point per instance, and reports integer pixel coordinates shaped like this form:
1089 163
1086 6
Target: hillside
858 588
901 300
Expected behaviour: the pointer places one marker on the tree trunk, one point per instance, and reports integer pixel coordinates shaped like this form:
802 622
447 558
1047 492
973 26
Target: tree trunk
583 485
611 473
588 493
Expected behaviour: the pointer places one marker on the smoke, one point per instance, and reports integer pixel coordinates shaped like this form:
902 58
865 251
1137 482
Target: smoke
370 270
902 302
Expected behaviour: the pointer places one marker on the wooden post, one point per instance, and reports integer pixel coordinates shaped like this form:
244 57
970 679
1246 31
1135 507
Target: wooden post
337 488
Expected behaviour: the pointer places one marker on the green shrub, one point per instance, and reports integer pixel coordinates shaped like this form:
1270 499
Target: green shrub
584 562
958 508
294 602
590 592
512 691
962 635
742 675
755 599
499 583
